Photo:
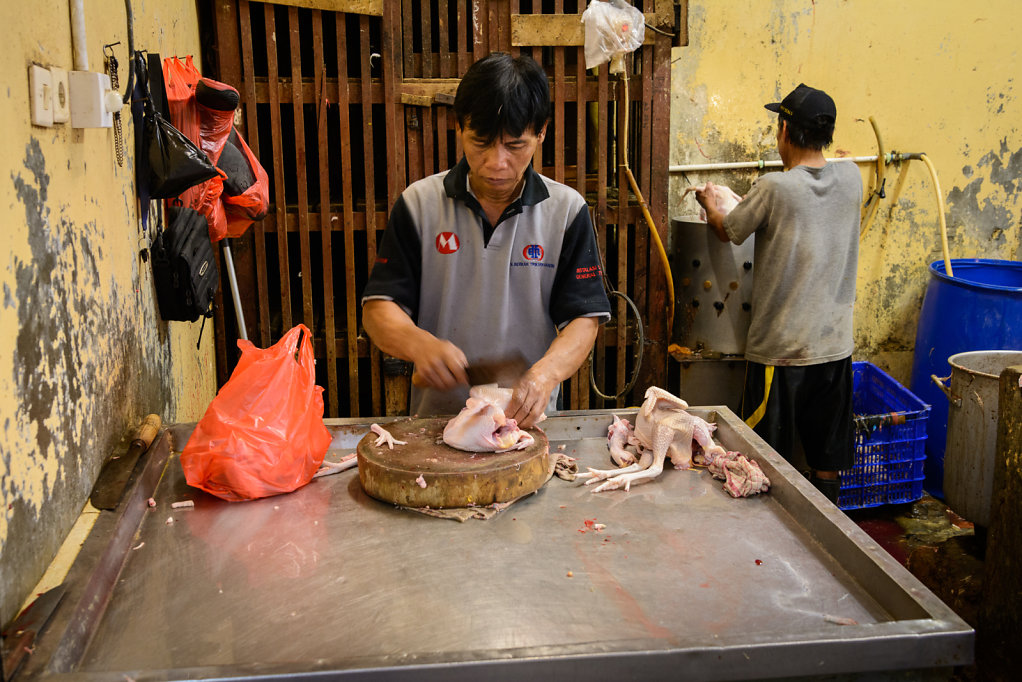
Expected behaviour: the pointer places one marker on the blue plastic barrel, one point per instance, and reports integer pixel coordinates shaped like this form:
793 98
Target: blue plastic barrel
980 308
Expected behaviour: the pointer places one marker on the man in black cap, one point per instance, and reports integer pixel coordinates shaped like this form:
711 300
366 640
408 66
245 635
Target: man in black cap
806 221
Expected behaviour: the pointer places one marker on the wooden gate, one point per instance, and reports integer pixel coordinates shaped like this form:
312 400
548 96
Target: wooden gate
345 102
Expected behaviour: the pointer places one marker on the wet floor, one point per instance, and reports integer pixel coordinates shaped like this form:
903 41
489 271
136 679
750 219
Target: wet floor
943 550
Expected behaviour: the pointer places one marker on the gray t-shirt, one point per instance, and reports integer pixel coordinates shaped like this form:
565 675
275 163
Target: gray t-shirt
806 222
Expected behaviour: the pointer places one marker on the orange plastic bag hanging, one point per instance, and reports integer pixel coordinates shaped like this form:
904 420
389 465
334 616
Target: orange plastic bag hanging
179 79
263 433
228 215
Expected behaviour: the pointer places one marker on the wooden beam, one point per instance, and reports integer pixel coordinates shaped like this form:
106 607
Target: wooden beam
371 7
565 30
424 92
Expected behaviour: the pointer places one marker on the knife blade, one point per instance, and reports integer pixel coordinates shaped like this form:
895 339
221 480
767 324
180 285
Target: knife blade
503 370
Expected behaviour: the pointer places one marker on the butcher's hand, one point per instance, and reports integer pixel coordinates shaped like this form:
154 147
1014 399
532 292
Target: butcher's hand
707 198
530 397
439 364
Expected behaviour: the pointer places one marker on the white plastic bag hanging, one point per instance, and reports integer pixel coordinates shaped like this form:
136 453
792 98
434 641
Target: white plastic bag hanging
613 29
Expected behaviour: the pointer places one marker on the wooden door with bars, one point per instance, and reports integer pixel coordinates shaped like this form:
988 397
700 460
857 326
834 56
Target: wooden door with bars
346 102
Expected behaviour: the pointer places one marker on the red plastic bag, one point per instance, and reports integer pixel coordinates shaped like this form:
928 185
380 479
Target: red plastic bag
211 129
263 433
179 79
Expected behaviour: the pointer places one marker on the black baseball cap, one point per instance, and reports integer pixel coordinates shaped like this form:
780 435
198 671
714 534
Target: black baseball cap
806 106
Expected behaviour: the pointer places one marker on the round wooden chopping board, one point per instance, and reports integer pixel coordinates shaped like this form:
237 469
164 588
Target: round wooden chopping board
453 478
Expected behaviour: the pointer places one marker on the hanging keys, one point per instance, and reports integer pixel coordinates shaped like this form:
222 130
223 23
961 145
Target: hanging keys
111 70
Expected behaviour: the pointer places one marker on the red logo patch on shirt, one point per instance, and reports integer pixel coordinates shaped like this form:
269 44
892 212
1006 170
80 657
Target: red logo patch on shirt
447 242
533 252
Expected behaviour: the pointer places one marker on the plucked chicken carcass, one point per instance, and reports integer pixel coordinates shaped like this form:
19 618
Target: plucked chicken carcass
726 198
481 426
662 429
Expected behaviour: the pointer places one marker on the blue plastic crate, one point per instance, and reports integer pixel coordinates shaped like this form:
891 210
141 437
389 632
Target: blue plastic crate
890 436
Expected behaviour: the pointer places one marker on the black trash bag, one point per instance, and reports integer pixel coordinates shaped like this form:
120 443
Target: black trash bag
175 162
172 162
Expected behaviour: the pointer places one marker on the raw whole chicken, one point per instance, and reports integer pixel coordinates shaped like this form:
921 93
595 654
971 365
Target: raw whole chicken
481 426
727 198
662 429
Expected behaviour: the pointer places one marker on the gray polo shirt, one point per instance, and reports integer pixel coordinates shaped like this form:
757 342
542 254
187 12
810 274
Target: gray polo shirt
489 289
806 222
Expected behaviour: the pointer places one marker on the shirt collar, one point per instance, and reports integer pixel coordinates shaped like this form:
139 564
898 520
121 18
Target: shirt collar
456 186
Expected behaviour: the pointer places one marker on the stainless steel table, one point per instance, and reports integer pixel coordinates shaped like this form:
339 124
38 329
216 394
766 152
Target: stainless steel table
683 582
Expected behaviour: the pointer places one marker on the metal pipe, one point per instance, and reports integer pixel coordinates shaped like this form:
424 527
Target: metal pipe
893 157
761 163
78 42
239 314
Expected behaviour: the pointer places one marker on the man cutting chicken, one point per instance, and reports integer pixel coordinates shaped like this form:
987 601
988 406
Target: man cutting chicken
806 222
489 258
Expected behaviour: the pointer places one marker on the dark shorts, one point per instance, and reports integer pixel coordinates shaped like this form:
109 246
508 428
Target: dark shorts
812 401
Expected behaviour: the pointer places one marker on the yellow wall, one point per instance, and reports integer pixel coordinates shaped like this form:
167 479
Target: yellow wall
938 76
83 353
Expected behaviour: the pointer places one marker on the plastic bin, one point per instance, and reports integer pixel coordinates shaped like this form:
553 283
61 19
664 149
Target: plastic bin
890 441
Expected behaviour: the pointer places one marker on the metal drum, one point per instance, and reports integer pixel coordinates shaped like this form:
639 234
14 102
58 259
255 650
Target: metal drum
713 288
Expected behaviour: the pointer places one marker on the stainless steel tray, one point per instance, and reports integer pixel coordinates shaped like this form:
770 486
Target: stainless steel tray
683 581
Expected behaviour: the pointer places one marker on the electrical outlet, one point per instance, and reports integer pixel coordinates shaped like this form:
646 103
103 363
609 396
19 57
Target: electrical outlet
61 95
88 100
41 88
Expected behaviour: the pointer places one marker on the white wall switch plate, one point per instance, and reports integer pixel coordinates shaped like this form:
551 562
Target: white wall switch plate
61 95
41 88
88 91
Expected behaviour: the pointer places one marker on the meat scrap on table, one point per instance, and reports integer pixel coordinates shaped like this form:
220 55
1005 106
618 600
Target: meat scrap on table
664 429
482 426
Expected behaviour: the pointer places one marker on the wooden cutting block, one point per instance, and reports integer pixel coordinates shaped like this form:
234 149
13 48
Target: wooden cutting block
454 478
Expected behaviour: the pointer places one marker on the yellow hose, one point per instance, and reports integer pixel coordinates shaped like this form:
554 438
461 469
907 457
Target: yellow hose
647 216
940 208
869 211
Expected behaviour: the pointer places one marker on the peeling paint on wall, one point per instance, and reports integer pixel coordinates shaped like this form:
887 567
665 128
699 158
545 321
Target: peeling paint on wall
83 353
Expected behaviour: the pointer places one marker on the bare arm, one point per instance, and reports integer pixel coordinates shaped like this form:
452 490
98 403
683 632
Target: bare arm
439 363
562 359
714 217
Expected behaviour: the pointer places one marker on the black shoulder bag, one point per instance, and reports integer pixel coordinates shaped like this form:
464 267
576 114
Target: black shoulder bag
184 266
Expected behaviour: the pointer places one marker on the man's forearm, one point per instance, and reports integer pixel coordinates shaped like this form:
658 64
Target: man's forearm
438 363
569 350
390 328
715 219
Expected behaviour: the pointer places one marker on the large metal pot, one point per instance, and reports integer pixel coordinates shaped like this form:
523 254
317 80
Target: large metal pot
972 429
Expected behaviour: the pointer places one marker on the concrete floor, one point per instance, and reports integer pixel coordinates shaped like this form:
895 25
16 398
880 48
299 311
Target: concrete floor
945 552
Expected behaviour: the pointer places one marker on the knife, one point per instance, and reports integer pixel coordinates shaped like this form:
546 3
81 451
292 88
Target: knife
115 473
503 370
